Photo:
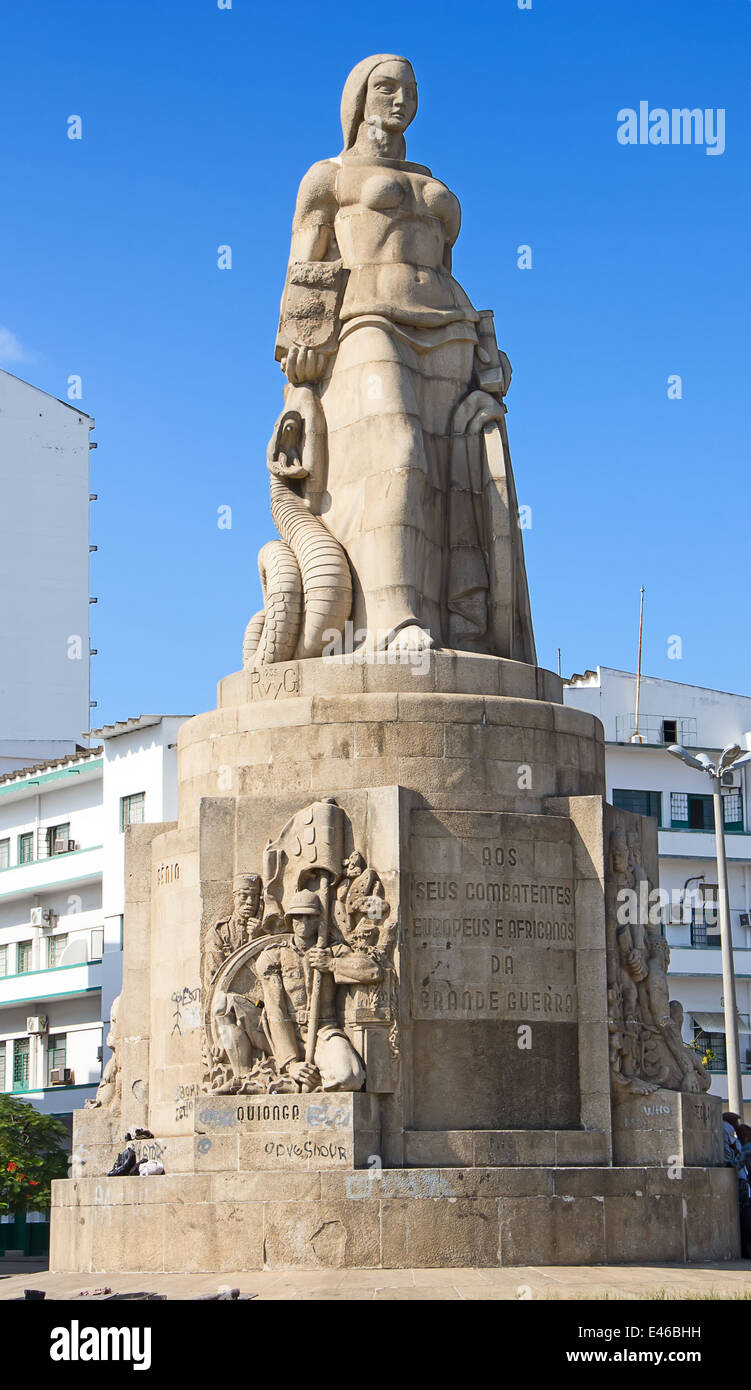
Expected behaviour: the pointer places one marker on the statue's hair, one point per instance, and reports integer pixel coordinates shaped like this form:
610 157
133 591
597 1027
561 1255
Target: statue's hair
355 88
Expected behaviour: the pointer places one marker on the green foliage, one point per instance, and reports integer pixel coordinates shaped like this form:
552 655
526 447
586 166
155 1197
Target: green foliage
31 1155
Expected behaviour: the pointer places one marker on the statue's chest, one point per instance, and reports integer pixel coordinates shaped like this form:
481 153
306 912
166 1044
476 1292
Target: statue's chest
295 978
395 193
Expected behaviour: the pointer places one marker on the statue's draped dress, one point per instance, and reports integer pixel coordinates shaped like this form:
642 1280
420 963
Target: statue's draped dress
404 361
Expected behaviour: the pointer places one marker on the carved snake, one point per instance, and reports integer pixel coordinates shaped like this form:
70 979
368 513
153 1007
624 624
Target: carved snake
307 586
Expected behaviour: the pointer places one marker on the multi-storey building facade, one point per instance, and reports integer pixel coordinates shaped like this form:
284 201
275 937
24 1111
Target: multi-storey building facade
62 829
44 630
643 777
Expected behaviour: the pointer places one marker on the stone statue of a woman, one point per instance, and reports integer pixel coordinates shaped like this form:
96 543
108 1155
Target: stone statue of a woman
397 448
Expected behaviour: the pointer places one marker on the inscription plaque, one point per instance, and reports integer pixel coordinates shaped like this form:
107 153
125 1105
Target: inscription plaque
491 942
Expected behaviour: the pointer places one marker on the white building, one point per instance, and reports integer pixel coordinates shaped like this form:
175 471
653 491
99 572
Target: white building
644 777
61 903
44 575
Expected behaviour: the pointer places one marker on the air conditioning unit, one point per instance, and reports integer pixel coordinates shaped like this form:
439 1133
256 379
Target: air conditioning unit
72 844
61 1076
731 778
37 1023
41 916
744 919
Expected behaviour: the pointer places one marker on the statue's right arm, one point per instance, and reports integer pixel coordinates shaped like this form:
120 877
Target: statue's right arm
315 211
312 229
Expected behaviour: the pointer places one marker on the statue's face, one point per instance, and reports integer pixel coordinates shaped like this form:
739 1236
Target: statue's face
391 98
305 929
620 859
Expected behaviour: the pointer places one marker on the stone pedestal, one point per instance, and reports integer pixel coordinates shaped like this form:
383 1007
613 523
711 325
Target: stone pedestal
669 1128
485 1132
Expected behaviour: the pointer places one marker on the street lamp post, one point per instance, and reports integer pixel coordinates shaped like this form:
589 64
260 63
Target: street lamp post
730 756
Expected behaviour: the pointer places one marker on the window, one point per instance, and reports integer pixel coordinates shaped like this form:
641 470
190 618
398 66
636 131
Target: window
714 1050
21 1064
55 947
3 961
703 933
132 809
641 803
26 848
3 1055
732 810
670 730
691 812
23 965
700 813
56 1047
57 838
4 854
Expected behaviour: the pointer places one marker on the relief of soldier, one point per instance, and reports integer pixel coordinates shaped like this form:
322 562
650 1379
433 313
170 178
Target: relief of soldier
314 932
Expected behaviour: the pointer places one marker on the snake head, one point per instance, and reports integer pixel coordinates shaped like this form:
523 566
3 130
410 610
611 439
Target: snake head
284 454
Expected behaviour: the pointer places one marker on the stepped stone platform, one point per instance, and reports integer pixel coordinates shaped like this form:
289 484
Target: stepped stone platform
394 1219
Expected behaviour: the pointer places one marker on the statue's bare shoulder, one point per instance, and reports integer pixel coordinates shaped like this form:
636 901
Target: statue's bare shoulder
316 197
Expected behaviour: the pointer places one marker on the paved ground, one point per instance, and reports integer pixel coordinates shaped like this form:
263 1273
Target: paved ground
556 1282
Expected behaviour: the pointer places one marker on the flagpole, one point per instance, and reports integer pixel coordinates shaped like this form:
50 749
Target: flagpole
636 736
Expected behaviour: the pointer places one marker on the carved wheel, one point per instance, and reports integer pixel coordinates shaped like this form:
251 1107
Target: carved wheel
237 975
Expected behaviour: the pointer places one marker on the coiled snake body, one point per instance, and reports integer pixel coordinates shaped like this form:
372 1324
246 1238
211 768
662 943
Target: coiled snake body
305 577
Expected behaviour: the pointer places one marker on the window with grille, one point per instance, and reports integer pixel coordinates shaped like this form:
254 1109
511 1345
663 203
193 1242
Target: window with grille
732 810
4 854
641 803
21 1064
678 808
132 809
23 965
56 1050
714 1049
26 848
57 838
3 961
55 947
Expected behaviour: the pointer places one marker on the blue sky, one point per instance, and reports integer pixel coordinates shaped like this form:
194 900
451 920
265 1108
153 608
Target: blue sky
198 124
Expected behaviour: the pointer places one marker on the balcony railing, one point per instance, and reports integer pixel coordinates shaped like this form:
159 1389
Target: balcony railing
655 729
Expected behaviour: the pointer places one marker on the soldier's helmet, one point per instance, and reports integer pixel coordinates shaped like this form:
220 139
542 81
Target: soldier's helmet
305 904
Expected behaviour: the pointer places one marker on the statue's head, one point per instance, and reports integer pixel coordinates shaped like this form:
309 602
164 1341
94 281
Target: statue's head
112 1036
382 92
304 913
635 849
246 894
